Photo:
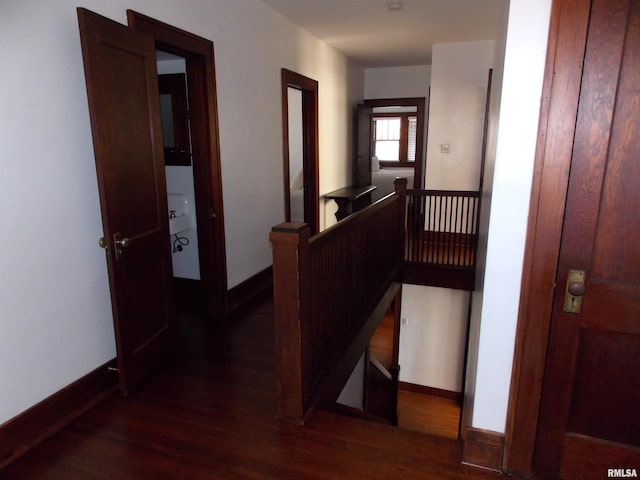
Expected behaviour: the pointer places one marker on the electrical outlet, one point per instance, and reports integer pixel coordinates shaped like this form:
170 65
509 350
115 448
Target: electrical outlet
404 321
444 148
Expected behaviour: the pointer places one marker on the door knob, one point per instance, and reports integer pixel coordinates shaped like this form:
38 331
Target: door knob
574 292
102 242
120 243
577 289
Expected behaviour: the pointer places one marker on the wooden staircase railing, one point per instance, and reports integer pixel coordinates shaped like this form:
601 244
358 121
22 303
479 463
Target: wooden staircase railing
332 290
441 238
330 293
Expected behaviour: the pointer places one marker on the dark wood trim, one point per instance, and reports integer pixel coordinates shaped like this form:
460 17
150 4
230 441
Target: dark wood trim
465 416
483 448
485 131
420 104
31 427
445 276
311 155
431 237
565 54
203 109
246 290
431 391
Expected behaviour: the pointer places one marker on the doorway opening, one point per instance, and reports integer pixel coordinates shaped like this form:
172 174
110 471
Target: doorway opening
300 149
179 175
400 150
199 258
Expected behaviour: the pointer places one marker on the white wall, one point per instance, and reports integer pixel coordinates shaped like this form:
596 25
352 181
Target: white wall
459 74
432 336
352 393
483 224
397 82
185 262
524 63
56 322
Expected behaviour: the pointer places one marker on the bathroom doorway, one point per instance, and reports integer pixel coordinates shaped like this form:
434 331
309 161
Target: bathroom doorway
200 258
179 174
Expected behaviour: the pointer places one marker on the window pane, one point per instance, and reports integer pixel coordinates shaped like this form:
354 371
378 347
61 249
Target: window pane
411 147
387 150
387 128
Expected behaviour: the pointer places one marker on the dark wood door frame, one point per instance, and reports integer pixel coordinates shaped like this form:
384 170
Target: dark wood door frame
309 89
563 72
203 108
420 104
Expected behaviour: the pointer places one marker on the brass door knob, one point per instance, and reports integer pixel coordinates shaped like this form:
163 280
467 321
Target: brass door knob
577 289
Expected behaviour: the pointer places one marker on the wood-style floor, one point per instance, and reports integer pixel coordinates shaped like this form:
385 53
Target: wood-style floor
428 414
417 412
208 413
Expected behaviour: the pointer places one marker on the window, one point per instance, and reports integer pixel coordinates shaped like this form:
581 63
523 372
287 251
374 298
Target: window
394 137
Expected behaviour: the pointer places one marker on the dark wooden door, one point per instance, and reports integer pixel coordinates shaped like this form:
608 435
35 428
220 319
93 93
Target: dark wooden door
590 411
122 89
362 154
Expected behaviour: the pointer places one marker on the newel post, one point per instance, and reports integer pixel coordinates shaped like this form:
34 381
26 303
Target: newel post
291 290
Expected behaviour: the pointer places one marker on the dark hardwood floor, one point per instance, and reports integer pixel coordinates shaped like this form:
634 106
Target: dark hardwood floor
208 413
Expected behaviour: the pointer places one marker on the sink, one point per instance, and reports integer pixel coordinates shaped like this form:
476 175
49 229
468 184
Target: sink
180 213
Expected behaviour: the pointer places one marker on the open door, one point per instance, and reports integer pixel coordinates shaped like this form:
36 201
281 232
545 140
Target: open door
122 90
362 136
589 419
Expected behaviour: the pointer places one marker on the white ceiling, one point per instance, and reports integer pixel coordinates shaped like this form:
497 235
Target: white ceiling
367 32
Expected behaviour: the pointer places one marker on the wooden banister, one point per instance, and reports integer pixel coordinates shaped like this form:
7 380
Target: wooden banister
327 288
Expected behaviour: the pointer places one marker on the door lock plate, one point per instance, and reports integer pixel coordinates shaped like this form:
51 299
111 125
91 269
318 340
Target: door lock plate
574 291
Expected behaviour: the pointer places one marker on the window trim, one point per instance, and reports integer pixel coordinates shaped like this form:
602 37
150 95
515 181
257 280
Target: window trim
403 151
